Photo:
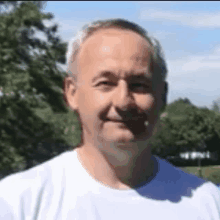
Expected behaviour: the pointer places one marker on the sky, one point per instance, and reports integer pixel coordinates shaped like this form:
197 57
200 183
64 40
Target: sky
189 33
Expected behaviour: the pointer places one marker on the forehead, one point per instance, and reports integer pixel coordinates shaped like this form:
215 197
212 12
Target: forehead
115 44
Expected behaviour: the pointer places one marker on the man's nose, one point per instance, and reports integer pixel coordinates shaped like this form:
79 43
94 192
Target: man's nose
123 98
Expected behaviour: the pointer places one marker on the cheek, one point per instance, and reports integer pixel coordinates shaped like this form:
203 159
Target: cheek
92 103
147 102
99 100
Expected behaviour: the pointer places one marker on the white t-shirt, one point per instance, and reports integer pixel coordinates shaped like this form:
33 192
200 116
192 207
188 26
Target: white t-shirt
61 189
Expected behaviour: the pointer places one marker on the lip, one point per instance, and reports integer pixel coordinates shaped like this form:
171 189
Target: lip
125 121
129 124
116 121
121 124
136 127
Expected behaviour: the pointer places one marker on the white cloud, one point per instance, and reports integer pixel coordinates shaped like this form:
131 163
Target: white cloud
193 19
195 64
196 77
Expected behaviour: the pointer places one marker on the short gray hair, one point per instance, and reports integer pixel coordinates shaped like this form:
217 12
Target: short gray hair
158 60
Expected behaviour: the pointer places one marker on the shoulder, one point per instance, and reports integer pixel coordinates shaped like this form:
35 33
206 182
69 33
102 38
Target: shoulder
179 183
39 174
175 174
186 190
26 188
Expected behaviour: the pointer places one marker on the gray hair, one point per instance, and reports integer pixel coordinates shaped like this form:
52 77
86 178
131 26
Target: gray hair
158 60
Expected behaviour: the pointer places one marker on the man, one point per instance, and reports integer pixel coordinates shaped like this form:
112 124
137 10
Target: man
117 87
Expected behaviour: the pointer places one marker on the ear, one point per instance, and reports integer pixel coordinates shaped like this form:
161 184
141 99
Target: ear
163 95
70 93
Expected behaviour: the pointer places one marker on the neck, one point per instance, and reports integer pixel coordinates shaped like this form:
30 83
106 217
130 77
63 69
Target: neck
118 166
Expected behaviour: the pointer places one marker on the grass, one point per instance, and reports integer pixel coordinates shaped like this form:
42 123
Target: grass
211 173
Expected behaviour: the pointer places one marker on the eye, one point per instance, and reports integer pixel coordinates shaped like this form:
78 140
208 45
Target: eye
105 83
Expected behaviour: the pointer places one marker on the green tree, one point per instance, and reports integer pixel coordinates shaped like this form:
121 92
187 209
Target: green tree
178 108
163 142
213 143
196 127
186 128
216 106
31 81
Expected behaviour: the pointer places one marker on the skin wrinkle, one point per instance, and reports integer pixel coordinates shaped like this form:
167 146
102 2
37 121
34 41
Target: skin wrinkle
74 56
112 153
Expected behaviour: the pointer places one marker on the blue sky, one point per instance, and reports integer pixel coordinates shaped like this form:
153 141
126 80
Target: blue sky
188 31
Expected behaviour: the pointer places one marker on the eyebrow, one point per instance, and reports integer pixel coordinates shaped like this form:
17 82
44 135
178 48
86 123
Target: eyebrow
139 75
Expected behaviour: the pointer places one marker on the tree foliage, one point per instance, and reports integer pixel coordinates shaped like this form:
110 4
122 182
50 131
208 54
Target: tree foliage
31 83
216 106
186 128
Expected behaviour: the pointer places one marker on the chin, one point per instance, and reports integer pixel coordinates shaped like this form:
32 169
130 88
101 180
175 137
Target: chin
120 139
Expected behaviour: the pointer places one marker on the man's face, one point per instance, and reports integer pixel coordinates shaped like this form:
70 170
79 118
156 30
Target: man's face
115 94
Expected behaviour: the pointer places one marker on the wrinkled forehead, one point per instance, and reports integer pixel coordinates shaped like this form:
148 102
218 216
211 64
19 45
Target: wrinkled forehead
116 44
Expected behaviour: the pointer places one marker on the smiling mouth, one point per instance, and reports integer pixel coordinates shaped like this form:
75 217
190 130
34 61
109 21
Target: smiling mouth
131 124
136 127
117 121
124 121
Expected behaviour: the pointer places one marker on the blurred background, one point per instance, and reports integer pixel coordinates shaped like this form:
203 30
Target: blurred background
35 124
